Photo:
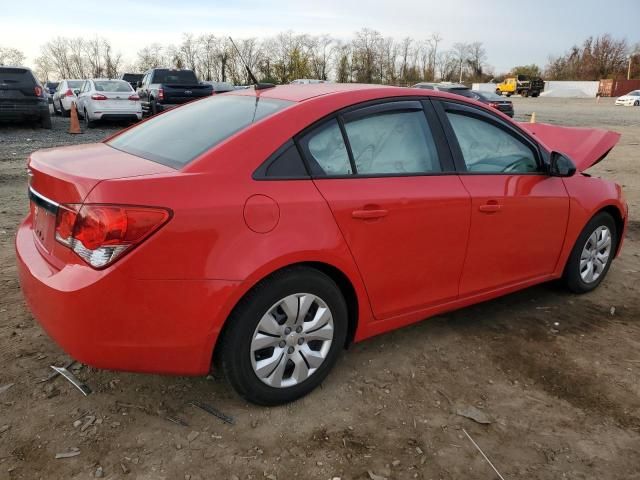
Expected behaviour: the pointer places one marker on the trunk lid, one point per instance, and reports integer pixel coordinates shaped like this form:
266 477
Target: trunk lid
585 146
68 174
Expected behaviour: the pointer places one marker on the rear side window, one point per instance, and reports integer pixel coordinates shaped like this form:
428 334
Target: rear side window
178 136
326 150
285 163
393 143
74 83
17 77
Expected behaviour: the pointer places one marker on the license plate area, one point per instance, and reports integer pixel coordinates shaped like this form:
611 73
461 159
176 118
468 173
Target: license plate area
44 224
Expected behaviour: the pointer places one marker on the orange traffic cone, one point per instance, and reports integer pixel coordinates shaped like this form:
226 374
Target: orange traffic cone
74 127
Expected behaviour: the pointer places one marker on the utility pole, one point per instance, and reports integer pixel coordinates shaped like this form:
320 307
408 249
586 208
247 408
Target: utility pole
629 69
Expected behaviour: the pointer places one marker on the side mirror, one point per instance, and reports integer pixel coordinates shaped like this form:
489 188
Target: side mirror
77 92
139 84
561 165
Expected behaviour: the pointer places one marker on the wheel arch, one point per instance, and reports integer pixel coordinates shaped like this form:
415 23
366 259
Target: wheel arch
615 212
341 279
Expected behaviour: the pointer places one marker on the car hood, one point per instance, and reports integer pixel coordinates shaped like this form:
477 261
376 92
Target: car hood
627 97
585 146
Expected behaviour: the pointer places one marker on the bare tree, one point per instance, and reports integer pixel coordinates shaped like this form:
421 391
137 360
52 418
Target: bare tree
11 56
461 53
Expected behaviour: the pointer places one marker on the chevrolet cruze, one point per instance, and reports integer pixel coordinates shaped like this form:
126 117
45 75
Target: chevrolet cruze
268 228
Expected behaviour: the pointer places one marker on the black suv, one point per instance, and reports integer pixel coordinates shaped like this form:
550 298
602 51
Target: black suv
22 97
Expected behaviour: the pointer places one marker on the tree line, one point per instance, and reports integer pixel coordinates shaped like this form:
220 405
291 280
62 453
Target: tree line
369 57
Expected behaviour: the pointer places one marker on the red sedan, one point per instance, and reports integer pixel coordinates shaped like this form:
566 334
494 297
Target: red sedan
269 229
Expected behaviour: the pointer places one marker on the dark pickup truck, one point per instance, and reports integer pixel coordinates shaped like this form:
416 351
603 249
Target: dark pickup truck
162 88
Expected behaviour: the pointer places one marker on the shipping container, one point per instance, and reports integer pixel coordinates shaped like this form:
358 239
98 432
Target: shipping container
617 88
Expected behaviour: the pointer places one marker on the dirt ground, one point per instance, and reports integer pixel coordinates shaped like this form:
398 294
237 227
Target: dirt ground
556 375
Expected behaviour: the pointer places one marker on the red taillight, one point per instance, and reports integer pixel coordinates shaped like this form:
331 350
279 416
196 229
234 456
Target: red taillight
69 93
38 91
100 234
160 94
134 97
494 104
98 96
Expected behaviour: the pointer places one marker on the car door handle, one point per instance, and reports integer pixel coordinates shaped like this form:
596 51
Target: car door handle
369 214
490 208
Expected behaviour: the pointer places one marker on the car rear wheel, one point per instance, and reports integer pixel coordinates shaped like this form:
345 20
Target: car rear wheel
87 121
65 113
592 254
636 103
45 120
284 337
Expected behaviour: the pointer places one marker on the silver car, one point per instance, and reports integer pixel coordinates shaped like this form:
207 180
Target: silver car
105 99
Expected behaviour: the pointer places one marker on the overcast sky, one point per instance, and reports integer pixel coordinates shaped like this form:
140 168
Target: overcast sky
513 32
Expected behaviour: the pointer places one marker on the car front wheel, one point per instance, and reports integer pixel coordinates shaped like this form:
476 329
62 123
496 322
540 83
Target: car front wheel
592 254
284 337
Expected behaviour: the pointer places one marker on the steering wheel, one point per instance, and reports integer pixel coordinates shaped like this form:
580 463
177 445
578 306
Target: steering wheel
513 166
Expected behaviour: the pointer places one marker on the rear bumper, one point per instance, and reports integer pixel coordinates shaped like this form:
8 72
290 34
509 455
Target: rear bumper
10 111
110 320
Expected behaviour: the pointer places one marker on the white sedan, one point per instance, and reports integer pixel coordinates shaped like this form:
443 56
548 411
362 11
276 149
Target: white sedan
100 99
631 99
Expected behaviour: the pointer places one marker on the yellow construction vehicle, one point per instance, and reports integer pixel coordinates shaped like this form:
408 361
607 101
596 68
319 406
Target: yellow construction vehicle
520 85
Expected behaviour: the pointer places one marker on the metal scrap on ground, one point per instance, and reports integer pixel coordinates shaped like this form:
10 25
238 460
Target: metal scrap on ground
84 388
216 413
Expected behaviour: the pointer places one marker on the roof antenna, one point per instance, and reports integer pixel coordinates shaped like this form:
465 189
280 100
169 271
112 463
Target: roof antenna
257 85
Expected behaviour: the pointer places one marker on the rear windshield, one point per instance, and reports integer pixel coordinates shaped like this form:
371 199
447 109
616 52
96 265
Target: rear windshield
178 136
112 86
490 96
75 83
16 76
175 76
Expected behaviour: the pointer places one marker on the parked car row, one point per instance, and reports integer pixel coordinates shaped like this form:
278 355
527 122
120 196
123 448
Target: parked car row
488 98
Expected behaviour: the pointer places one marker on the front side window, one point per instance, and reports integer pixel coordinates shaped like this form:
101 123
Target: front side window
326 150
486 148
392 143
177 137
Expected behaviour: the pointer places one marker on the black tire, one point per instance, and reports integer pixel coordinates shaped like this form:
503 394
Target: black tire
524 93
55 109
234 350
154 108
65 113
87 122
572 276
45 120
498 92
636 103
508 95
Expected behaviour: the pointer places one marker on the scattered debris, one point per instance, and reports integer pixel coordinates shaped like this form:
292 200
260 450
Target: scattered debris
84 389
213 411
177 421
77 423
482 453
125 469
130 405
4 428
72 453
612 311
192 436
56 373
373 476
474 414
89 421
99 472
6 387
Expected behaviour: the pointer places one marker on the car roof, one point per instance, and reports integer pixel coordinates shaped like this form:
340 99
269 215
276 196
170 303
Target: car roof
300 93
